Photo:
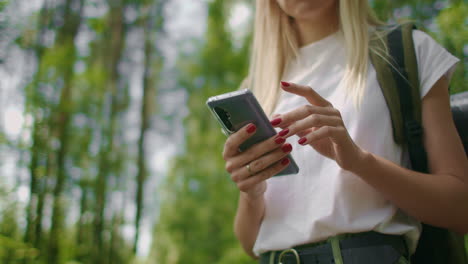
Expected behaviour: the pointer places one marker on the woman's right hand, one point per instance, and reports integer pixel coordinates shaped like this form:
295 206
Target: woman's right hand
265 159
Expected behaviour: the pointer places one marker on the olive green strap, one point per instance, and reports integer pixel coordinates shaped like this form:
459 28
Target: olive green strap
335 243
381 62
411 67
272 257
384 64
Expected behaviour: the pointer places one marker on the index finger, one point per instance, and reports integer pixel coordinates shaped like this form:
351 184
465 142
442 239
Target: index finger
231 147
305 91
305 111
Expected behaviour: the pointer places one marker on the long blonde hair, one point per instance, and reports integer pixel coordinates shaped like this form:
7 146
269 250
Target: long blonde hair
275 42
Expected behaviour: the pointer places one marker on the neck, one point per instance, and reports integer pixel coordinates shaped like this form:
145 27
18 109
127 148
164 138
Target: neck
318 27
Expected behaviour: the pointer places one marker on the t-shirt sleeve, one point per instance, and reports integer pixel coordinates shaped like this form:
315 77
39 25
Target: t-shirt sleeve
434 61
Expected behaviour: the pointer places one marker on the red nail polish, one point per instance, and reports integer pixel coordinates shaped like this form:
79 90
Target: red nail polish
280 140
276 121
283 132
287 148
251 128
302 141
285 161
285 84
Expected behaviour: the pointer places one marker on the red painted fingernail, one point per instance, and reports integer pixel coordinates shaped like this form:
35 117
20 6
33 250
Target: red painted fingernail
302 141
286 148
283 132
280 140
275 122
285 84
251 128
285 161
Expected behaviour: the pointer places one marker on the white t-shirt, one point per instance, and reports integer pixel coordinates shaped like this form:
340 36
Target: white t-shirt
323 200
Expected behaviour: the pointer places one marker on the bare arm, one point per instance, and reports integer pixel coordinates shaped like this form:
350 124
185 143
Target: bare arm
441 197
248 219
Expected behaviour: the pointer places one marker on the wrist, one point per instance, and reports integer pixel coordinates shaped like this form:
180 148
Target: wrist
364 160
252 199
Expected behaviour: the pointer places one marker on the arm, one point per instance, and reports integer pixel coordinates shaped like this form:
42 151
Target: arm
441 197
247 222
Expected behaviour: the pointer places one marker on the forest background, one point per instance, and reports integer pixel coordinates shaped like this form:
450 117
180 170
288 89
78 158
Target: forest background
108 153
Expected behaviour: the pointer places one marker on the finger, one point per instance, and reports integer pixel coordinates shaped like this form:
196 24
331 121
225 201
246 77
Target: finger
275 116
254 152
278 122
261 163
248 183
311 121
231 146
334 133
306 131
303 112
307 92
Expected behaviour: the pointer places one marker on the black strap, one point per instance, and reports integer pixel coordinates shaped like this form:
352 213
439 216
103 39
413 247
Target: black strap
413 131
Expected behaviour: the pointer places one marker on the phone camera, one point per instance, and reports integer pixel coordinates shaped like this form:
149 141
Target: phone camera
225 118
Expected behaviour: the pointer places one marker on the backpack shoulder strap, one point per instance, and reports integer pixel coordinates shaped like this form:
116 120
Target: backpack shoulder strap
397 74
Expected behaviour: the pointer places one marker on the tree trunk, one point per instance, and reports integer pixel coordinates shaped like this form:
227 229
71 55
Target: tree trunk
38 145
64 113
153 23
116 43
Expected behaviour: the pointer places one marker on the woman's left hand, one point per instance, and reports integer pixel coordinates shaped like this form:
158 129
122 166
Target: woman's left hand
319 125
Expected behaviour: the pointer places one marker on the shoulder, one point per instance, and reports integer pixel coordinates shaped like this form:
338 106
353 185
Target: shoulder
434 61
420 36
424 43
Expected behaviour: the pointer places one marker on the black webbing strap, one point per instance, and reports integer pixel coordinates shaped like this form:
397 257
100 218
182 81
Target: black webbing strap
413 131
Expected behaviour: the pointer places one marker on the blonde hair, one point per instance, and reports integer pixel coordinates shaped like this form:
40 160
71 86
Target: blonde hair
275 42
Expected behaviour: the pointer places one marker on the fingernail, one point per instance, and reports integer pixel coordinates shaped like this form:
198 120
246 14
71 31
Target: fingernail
302 141
285 84
251 128
275 121
284 132
285 161
286 148
280 140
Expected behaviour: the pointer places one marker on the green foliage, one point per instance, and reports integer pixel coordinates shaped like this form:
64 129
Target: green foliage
466 244
453 35
12 250
446 21
196 221
3 4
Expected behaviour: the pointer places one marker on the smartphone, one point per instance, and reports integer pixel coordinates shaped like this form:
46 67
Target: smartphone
236 109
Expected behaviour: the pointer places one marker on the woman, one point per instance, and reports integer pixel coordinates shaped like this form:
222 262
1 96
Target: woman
353 177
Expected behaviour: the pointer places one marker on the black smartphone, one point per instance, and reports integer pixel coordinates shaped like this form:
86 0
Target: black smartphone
236 109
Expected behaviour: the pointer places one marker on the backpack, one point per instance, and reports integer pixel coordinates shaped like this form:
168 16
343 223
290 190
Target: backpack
400 87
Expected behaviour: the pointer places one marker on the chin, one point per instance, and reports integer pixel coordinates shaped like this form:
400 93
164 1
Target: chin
306 9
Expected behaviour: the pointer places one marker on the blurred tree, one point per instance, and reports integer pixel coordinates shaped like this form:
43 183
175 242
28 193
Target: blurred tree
63 114
152 22
199 200
36 103
115 89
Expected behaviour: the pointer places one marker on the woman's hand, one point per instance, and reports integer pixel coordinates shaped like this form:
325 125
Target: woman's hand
319 125
250 169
